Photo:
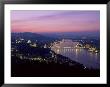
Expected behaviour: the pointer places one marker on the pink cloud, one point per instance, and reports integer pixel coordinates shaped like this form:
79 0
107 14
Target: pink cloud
55 21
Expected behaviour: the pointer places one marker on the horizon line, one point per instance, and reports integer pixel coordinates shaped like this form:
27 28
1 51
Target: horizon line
57 32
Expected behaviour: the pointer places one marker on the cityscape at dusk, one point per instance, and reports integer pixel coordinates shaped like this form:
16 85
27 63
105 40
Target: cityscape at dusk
51 43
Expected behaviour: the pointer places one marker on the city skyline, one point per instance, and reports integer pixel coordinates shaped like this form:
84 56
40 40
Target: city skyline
55 21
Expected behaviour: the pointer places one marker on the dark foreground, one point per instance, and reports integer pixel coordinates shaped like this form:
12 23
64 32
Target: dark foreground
36 69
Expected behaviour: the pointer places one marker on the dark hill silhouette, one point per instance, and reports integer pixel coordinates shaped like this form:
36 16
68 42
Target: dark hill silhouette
31 36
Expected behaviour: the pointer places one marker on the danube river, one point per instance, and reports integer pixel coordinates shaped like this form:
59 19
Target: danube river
81 55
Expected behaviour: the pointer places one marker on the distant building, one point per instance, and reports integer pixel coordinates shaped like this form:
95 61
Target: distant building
33 45
65 44
87 46
45 46
29 41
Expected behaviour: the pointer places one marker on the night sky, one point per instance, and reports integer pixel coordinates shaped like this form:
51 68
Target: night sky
55 21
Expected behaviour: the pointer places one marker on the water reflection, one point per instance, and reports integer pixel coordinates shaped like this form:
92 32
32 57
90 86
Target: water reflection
66 48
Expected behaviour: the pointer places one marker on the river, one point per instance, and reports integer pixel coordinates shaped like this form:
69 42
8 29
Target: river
81 55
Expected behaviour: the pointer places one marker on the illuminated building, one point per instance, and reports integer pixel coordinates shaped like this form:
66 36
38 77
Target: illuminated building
21 39
87 46
45 46
96 51
66 44
92 49
33 45
29 41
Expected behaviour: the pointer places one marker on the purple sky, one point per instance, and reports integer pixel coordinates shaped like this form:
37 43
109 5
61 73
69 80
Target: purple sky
54 21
